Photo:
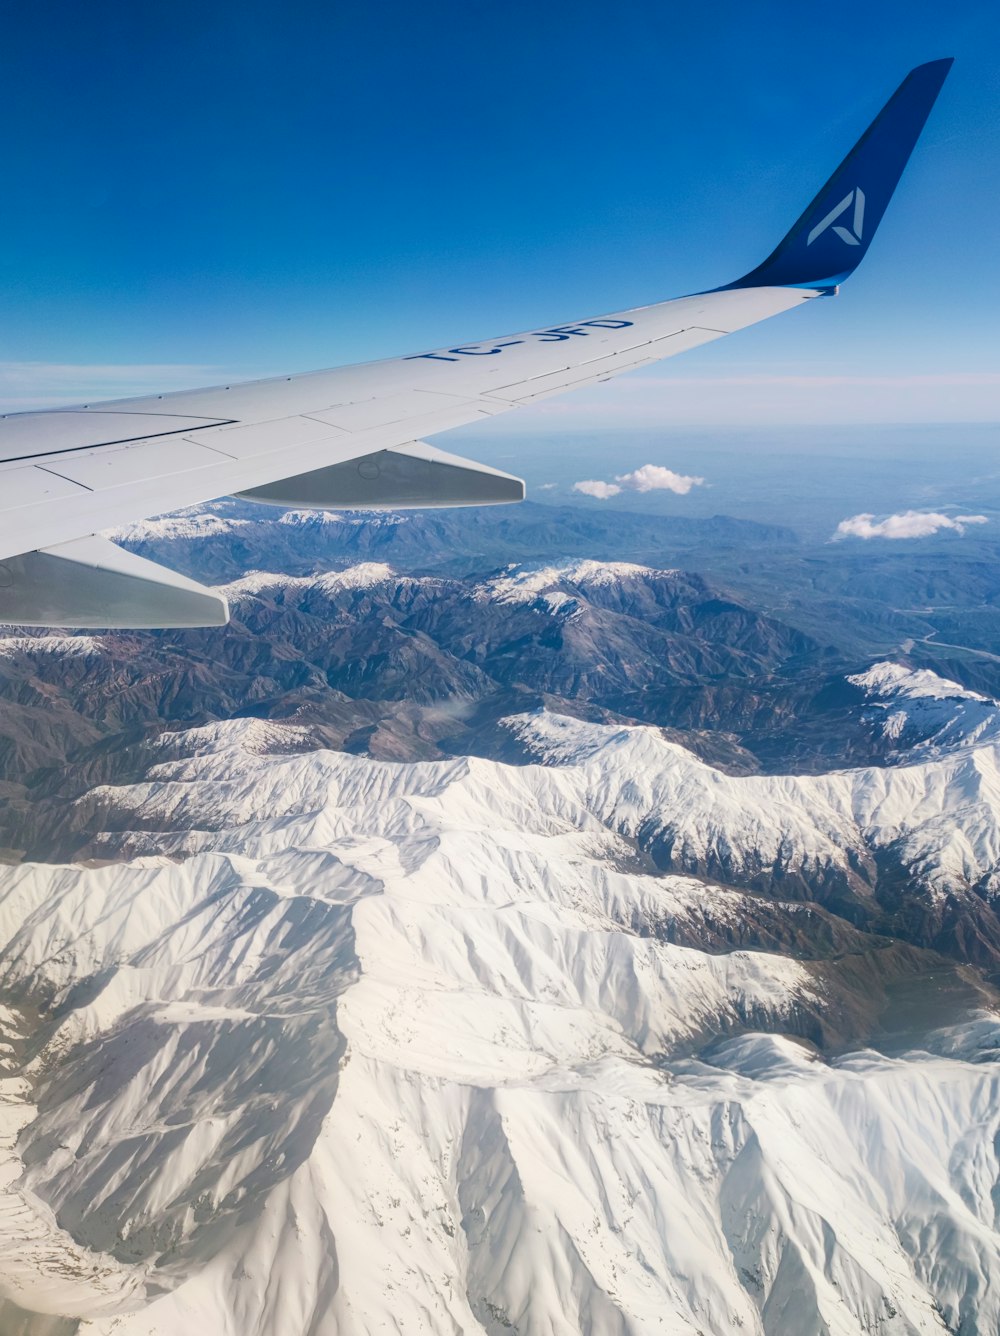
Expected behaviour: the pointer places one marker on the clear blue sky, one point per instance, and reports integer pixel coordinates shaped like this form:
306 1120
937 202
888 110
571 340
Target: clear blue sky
248 188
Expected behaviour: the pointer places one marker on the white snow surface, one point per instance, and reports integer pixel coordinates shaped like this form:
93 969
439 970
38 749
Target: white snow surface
320 518
79 647
892 680
364 575
194 522
346 1047
924 714
525 584
213 521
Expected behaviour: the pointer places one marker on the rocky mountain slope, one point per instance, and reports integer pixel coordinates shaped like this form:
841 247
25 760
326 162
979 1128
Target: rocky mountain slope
527 943
308 1042
401 665
404 666
409 636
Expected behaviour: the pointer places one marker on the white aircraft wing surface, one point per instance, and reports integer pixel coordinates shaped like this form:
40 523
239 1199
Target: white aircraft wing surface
352 437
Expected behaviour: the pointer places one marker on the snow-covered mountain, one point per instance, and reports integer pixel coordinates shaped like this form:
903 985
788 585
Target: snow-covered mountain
373 968
919 712
216 540
613 1042
376 659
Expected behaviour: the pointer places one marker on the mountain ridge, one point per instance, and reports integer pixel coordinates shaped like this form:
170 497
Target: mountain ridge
459 1020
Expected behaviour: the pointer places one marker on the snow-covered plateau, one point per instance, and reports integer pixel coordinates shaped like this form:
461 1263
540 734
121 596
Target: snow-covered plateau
307 1043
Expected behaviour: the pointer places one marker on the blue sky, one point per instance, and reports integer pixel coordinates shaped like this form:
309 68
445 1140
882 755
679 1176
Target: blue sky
240 189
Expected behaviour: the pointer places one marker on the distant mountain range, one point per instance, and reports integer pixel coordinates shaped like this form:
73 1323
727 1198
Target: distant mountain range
222 541
416 659
381 660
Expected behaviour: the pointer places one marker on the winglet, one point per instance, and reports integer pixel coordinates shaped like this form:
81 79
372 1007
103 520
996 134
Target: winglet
830 239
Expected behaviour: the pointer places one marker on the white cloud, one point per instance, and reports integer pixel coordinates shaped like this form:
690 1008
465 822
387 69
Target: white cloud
648 478
906 524
600 490
545 487
654 478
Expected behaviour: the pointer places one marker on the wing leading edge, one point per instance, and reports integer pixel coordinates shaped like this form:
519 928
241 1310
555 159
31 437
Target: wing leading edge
348 438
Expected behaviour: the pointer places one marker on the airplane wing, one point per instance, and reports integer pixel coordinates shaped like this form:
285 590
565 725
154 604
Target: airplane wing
352 437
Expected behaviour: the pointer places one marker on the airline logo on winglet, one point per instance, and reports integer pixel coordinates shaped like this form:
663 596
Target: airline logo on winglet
852 237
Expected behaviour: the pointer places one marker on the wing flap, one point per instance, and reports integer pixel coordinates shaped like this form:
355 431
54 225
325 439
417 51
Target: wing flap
416 474
93 583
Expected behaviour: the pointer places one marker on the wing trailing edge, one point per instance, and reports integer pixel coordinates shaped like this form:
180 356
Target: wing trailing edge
92 582
406 476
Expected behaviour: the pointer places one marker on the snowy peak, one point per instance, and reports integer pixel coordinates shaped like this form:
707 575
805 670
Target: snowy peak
319 519
237 738
809 836
528 584
922 714
362 576
256 584
556 739
184 525
78 646
887 681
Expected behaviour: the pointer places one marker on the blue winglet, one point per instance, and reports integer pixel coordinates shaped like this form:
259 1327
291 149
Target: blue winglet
829 241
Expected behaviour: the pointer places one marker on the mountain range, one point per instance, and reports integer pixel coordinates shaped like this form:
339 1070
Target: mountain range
559 945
